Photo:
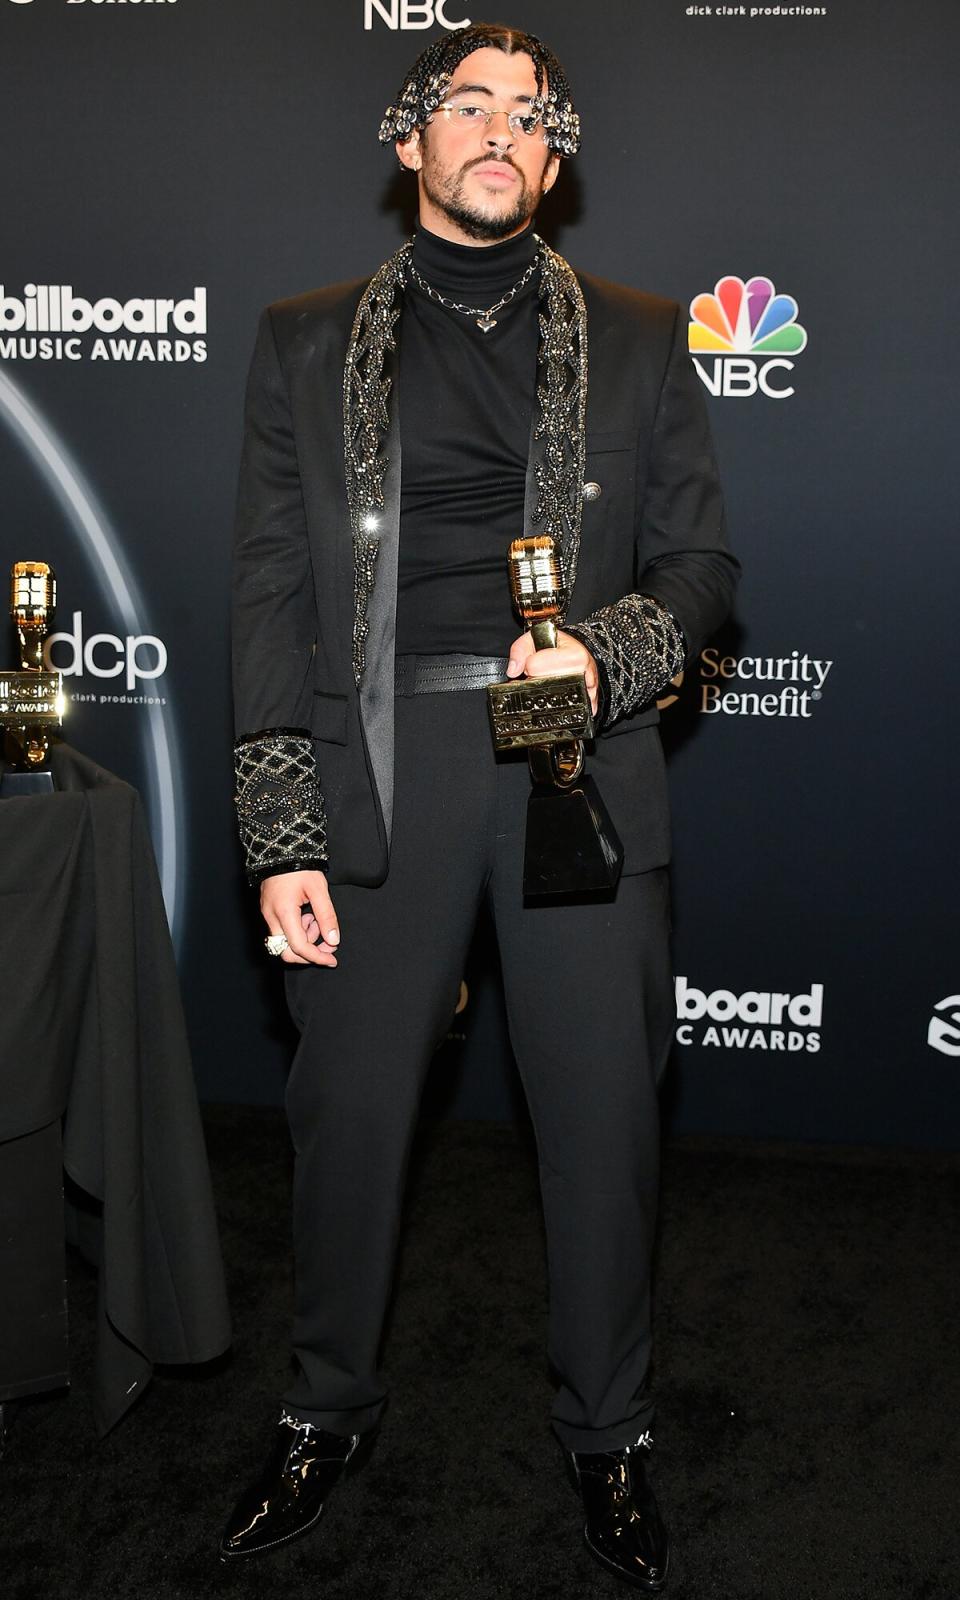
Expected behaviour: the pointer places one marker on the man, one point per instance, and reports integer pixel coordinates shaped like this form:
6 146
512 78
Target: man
401 432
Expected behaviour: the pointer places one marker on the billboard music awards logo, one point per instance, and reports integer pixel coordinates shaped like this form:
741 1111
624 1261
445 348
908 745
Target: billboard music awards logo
138 658
754 1020
750 331
943 1033
48 322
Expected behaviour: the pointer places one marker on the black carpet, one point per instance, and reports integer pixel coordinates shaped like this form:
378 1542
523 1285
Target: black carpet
808 1379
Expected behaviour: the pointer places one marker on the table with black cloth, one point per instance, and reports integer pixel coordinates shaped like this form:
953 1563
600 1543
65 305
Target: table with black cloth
92 1034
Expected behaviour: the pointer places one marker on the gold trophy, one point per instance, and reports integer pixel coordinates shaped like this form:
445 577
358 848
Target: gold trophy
571 845
31 700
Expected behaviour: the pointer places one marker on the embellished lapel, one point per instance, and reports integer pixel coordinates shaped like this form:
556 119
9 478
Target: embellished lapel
371 436
553 503
371 442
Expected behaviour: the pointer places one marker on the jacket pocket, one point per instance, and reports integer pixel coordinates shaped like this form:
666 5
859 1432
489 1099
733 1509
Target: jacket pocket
328 718
600 441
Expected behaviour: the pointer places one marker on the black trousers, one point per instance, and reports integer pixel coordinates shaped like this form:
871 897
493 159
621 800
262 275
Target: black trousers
589 1000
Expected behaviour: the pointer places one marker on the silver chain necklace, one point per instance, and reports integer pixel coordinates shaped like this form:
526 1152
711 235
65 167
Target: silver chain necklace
485 320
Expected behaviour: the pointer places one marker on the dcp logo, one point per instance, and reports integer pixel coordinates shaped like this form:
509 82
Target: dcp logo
106 655
943 1033
738 323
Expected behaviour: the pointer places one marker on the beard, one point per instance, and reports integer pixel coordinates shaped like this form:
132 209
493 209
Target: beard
446 191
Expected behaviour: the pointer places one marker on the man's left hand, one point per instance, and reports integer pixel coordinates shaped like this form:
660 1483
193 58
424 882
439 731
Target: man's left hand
569 656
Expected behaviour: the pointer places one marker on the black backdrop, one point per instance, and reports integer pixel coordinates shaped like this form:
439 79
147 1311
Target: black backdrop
158 148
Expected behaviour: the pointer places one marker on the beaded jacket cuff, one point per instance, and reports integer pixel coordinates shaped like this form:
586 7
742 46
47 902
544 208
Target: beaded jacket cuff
283 824
638 648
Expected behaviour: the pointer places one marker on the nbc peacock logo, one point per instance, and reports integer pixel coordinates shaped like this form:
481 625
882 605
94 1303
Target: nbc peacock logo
750 332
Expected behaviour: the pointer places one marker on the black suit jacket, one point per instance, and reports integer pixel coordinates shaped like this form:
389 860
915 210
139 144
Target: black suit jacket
657 527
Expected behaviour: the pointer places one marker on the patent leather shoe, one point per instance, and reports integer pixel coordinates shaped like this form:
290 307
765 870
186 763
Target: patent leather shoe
288 1497
623 1529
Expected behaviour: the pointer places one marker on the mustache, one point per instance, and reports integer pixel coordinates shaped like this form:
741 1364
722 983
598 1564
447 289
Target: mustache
485 161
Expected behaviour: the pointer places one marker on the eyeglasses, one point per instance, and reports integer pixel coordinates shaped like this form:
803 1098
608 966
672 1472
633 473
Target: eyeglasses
462 114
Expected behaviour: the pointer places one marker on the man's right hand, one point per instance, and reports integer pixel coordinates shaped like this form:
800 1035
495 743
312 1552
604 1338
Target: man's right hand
298 904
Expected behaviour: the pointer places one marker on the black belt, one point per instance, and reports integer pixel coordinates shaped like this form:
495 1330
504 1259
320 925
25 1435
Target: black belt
436 674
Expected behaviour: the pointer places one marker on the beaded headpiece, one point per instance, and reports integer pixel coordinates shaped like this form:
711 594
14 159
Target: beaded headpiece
427 84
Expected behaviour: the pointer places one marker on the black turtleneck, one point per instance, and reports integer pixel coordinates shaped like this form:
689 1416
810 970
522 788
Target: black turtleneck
466 402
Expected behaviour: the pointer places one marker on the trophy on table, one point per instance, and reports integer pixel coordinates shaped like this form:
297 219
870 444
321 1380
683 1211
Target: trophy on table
571 844
31 700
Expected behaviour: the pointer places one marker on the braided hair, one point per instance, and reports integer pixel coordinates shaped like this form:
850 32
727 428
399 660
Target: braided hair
427 83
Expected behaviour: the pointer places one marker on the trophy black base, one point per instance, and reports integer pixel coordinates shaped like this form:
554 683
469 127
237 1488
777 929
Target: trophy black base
15 785
572 847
